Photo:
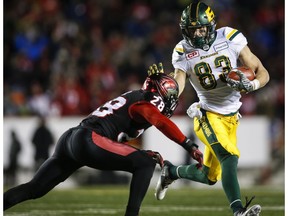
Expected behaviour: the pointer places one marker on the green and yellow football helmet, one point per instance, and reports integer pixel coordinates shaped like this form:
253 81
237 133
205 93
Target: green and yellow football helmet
198 15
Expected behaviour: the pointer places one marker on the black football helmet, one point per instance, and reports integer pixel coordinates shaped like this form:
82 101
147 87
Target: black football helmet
198 15
167 87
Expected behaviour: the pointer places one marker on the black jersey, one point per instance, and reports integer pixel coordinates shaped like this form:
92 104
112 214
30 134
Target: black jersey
112 119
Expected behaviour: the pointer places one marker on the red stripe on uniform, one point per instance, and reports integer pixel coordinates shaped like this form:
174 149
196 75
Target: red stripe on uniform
111 146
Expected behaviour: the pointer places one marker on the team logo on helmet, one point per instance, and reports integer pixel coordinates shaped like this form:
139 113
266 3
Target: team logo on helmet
198 15
167 87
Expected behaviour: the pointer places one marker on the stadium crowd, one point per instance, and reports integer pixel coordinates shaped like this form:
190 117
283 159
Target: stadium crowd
67 57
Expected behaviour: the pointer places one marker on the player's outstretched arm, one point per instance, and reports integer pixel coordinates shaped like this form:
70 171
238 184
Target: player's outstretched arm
152 115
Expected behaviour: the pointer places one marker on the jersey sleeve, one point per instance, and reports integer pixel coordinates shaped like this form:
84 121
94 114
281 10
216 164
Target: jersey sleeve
144 111
178 58
237 41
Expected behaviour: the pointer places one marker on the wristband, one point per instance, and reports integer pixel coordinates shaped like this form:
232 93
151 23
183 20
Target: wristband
256 84
188 145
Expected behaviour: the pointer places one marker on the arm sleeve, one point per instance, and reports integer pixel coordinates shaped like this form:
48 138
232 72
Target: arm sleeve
145 111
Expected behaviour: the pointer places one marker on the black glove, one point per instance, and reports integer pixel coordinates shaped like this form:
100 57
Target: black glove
156 156
193 150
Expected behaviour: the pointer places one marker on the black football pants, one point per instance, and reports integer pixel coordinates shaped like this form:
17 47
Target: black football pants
81 147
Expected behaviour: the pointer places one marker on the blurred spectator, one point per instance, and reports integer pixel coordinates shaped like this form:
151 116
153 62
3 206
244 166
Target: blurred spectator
42 140
11 171
39 102
31 43
15 101
70 97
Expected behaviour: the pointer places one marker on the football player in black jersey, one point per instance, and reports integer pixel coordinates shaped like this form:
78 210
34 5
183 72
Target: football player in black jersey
99 142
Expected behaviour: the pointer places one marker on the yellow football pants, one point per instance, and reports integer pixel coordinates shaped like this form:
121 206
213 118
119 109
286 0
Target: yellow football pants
214 128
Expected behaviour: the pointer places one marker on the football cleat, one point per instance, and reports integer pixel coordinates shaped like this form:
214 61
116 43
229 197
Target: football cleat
163 182
252 211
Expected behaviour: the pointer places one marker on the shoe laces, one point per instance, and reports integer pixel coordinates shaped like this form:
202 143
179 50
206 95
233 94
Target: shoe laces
167 179
248 202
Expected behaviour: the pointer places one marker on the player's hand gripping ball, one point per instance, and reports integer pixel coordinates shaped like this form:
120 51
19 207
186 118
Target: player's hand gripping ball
248 72
242 79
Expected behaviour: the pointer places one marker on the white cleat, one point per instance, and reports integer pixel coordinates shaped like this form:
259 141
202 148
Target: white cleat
252 211
163 182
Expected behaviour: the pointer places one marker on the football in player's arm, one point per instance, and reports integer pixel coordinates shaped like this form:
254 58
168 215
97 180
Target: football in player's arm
99 142
205 56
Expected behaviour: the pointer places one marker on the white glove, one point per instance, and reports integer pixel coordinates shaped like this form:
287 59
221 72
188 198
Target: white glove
194 111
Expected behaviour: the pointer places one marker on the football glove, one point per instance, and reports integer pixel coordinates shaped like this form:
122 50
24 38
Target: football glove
155 156
194 111
154 69
193 150
243 85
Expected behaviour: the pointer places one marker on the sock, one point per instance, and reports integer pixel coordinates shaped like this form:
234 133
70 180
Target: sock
230 182
190 172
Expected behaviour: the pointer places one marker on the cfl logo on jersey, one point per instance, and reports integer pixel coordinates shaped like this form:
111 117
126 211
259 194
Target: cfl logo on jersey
192 54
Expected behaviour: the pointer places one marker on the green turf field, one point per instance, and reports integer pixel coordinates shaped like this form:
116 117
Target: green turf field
111 200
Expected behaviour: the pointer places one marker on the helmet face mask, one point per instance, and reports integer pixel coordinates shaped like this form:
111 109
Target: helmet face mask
197 16
167 88
197 40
